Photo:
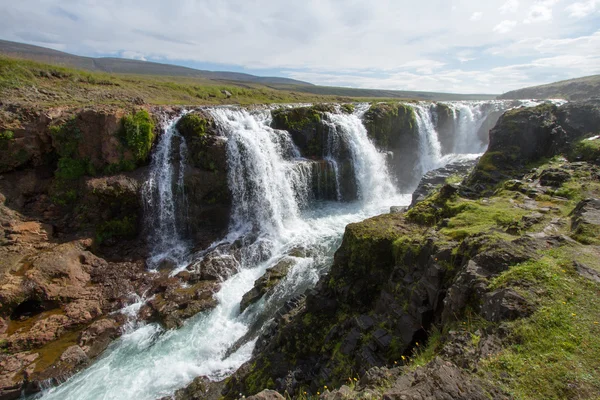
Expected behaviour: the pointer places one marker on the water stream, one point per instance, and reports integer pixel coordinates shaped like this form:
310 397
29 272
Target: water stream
278 213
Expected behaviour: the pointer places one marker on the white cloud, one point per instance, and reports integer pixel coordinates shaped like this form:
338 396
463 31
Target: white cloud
582 9
383 43
133 55
540 11
476 16
510 6
505 26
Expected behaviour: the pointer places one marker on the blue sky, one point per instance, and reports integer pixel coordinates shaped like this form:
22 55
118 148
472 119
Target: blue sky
467 47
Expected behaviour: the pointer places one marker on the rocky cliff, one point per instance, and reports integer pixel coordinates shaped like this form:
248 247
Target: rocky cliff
485 289
72 249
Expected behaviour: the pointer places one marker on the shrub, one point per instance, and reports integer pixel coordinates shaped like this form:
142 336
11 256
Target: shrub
137 134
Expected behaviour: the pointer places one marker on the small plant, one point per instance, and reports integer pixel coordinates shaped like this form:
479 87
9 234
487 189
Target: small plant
7 135
137 134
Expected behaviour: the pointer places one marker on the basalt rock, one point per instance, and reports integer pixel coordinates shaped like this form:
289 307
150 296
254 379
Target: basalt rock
525 135
306 126
393 127
266 283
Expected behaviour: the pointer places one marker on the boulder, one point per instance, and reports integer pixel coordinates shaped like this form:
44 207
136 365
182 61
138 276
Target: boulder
267 282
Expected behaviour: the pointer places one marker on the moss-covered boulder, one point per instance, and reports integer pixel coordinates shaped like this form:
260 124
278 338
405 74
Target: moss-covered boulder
393 127
524 136
306 126
205 178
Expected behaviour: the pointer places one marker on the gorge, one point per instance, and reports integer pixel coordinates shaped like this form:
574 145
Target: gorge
216 257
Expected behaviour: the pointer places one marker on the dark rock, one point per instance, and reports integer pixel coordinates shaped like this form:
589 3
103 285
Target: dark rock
267 282
585 221
587 272
201 388
393 127
266 395
505 305
439 380
437 177
554 177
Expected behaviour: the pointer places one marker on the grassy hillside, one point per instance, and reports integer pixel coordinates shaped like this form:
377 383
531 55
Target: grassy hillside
393 94
572 89
29 82
126 66
181 75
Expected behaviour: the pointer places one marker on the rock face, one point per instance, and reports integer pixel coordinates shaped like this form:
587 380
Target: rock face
397 276
526 134
457 171
312 134
205 178
266 283
393 127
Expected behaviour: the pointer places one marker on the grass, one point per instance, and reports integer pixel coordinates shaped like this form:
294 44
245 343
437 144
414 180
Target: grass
29 82
555 353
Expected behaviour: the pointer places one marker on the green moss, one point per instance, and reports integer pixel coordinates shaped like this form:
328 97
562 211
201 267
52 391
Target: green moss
71 169
124 228
389 123
193 125
137 134
586 150
7 135
66 137
348 108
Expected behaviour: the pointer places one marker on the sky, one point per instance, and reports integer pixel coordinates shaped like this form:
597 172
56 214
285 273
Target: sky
467 46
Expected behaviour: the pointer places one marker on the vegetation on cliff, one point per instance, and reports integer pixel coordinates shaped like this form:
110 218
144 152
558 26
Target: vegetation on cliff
484 290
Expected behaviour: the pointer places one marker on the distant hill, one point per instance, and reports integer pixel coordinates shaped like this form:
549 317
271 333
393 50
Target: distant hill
136 67
572 89
126 66
390 94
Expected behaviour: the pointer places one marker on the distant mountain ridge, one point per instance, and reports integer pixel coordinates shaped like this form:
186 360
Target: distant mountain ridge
127 66
571 89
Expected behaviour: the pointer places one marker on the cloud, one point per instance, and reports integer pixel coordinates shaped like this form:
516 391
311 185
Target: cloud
351 42
582 9
132 55
511 6
505 26
476 16
540 11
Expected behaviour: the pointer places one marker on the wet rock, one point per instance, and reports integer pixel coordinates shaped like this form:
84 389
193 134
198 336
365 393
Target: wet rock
217 265
398 209
96 338
12 373
201 388
437 177
267 282
177 303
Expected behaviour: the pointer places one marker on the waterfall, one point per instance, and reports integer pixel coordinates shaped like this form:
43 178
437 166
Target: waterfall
468 120
164 197
370 169
430 149
274 218
263 195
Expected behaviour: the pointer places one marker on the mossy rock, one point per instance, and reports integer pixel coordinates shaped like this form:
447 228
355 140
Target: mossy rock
137 134
389 124
306 126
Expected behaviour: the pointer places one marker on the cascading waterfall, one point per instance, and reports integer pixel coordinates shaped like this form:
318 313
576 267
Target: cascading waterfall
370 169
468 119
164 197
429 145
274 215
